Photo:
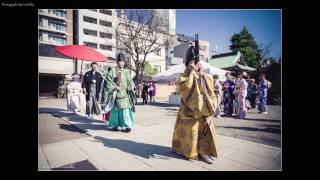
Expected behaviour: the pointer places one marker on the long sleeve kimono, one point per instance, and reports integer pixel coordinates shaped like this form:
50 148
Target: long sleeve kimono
228 87
218 93
241 94
91 83
194 131
121 113
262 90
75 100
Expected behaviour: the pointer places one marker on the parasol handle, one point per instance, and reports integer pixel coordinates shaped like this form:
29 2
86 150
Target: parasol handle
81 66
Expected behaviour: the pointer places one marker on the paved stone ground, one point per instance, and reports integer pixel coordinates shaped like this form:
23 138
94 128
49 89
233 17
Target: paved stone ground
147 147
54 129
260 128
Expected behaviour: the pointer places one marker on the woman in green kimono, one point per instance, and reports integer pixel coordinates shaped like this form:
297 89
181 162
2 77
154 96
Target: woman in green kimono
118 83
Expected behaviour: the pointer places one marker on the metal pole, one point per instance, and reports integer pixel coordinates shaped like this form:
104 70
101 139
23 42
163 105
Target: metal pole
75 65
81 66
81 74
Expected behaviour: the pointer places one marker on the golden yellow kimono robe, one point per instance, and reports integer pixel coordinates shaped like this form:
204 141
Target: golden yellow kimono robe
194 131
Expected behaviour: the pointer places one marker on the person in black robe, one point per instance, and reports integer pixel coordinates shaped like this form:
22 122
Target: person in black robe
91 85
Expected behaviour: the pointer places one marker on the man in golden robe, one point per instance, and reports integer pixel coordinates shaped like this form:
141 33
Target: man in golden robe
194 133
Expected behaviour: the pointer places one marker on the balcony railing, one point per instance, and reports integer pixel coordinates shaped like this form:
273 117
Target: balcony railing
57 13
53 13
56 27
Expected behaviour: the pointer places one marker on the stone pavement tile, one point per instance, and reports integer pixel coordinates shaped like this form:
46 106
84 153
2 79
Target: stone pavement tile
146 150
93 129
165 160
224 151
63 153
113 159
277 159
247 146
126 144
224 164
96 164
148 138
257 161
162 132
43 164
89 145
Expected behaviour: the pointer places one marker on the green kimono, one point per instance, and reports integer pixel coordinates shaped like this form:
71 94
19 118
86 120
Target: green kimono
121 113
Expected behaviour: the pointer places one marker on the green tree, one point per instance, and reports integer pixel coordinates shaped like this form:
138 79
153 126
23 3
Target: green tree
273 71
149 70
246 44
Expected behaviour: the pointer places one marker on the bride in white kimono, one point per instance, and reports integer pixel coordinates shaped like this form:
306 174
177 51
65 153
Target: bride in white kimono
75 100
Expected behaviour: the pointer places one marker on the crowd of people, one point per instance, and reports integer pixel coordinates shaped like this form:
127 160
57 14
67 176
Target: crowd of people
240 93
237 94
148 91
113 94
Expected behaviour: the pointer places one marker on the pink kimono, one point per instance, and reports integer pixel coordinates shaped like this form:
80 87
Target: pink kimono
241 94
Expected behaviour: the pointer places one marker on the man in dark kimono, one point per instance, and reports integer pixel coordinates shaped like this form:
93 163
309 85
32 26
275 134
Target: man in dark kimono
91 85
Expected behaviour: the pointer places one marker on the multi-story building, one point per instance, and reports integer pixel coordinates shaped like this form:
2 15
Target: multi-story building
167 19
96 29
204 50
157 58
185 42
55 26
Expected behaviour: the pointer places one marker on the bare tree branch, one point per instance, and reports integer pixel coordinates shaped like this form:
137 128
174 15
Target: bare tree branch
139 34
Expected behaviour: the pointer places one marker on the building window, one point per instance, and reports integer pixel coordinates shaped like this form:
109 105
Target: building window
105 23
203 48
57 26
157 53
57 13
40 23
89 20
92 45
89 32
105 11
55 39
60 13
105 47
105 35
40 37
61 27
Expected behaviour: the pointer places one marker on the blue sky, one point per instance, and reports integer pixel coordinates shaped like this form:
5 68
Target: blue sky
217 26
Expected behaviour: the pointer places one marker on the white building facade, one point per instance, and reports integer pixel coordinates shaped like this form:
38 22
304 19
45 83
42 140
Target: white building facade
156 59
96 29
52 26
184 42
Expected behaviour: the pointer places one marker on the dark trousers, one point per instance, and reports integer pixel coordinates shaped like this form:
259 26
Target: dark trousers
253 100
145 98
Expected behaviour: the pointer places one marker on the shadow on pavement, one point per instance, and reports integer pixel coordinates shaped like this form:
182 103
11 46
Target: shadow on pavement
140 149
84 123
162 104
71 128
268 129
59 112
266 120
